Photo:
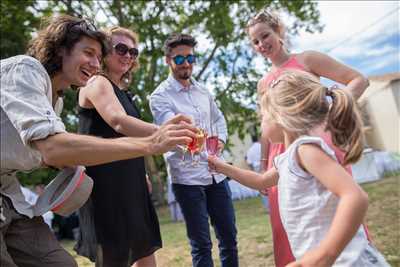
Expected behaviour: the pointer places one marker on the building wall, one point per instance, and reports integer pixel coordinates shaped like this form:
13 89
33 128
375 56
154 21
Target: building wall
383 111
238 150
396 94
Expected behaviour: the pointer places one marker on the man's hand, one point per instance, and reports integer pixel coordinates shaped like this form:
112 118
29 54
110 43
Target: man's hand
176 131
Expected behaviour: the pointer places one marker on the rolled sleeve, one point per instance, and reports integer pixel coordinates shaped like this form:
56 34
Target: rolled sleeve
26 99
161 108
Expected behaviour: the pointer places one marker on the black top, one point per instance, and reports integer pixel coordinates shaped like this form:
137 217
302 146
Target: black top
124 217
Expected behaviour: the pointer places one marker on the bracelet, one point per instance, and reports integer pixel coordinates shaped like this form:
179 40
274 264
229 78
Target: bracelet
263 159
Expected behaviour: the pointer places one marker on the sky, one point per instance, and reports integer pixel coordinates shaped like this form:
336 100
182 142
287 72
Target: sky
362 34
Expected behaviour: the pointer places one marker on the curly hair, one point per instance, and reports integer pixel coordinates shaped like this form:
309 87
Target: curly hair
62 32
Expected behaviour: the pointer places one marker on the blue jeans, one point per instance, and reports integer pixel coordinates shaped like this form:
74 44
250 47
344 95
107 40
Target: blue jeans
199 202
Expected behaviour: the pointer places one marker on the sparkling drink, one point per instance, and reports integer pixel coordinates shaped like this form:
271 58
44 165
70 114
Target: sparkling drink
212 145
192 146
197 143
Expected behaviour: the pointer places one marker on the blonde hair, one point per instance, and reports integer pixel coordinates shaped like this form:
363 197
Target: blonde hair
298 102
270 18
117 30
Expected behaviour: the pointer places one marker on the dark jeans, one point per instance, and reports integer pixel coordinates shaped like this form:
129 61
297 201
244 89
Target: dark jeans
200 202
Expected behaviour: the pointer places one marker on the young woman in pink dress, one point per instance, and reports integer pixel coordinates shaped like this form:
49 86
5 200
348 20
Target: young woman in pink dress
267 35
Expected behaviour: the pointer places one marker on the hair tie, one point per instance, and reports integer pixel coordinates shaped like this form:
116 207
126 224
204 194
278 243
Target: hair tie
329 90
275 82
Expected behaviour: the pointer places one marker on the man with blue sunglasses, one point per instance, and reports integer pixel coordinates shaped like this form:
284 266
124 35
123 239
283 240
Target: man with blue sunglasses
201 194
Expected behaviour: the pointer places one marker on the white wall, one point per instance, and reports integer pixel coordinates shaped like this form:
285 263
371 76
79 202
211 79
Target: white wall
238 150
385 118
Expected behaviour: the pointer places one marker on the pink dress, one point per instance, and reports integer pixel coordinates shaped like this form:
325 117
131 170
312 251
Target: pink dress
282 252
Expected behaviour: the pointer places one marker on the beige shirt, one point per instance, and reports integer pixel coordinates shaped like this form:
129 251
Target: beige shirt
27 114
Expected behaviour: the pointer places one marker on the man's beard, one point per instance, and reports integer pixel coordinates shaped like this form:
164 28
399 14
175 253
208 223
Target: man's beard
184 75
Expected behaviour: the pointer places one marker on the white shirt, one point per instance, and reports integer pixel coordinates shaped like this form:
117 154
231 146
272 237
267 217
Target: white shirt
31 197
27 114
171 98
307 209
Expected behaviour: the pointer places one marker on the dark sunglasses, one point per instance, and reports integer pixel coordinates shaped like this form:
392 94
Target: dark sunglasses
122 49
179 59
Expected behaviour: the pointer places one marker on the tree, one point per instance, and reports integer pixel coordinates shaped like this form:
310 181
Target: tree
17 23
225 59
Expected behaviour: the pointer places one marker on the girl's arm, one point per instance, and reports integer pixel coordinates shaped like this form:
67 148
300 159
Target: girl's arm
351 209
246 177
324 66
261 88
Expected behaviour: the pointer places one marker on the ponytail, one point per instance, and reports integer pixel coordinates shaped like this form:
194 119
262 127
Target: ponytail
345 124
298 102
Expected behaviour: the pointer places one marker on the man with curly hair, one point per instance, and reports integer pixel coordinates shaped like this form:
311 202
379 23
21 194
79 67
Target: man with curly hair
66 53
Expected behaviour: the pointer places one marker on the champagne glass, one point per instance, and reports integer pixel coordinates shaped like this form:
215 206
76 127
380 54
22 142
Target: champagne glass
212 142
197 145
184 149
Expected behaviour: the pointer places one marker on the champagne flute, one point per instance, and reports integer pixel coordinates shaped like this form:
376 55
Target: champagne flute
184 149
212 142
197 144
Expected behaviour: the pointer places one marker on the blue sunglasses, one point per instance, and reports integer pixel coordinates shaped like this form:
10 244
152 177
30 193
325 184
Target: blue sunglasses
179 59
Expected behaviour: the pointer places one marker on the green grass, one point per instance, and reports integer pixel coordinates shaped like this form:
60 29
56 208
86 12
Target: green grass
254 231
383 217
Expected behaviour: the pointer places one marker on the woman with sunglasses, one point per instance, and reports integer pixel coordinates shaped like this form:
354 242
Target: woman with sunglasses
125 222
267 35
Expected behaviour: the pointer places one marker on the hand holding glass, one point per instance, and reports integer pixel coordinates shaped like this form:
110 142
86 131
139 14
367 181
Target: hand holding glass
197 144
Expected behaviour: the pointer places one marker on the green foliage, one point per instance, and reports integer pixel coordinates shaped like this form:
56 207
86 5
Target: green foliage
40 176
17 23
225 62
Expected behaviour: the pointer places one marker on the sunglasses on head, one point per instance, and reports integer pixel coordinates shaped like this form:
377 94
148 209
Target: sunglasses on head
122 49
179 59
84 25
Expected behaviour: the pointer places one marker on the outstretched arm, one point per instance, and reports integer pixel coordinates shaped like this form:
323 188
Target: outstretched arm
349 214
246 177
67 149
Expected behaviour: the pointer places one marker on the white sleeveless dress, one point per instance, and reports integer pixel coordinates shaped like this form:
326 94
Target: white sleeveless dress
307 209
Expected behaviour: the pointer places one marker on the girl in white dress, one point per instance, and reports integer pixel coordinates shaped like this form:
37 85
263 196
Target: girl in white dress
320 204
